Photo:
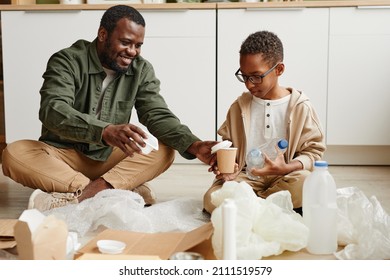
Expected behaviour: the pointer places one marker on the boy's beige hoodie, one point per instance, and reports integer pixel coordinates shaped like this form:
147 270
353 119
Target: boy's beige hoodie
304 131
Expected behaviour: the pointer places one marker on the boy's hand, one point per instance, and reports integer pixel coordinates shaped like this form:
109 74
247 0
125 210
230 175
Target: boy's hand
277 167
224 176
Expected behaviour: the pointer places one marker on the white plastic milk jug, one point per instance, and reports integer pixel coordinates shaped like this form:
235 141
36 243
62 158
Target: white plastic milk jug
319 209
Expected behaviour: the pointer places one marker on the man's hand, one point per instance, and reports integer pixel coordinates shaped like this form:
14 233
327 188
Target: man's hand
125 137
202 150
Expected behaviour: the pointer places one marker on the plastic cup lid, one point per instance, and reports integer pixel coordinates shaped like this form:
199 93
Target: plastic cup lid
221 145
111 246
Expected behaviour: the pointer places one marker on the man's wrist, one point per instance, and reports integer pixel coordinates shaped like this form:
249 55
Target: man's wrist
193 148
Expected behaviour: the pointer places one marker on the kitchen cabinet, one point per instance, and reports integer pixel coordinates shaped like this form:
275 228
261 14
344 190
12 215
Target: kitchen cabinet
29 38
359 84
179 45
304 34
336 53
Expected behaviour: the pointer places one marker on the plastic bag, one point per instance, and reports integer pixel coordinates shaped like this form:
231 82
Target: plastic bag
124 210
363 226
264 227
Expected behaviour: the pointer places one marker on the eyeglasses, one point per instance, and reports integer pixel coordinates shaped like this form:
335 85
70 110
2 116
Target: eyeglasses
254 79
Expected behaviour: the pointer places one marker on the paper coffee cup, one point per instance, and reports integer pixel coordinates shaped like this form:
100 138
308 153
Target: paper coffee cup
226 159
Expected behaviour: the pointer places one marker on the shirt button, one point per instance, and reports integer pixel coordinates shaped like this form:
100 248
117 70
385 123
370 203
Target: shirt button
267 115
267 126
268 104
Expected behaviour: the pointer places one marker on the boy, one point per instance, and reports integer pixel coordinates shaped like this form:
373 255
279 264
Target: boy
265 112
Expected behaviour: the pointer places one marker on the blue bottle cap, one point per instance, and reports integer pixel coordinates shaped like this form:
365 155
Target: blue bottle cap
321 163
282 144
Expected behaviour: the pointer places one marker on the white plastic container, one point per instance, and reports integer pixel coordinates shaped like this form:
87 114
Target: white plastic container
319 209
229 213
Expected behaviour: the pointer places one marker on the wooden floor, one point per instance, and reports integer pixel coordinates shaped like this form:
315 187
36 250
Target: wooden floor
192 180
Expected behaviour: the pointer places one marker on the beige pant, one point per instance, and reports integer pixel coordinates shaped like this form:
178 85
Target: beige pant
265 186
36 164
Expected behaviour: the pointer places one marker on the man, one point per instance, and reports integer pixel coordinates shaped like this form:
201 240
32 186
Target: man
87 143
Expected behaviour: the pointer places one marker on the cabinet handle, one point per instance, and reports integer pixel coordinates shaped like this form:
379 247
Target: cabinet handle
51 11
165 10
276 9
372 7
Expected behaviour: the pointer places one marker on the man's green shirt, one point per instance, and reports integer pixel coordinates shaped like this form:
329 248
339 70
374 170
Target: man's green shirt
71 92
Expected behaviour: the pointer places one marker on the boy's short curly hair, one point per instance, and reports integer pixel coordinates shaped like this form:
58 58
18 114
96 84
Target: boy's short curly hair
265 43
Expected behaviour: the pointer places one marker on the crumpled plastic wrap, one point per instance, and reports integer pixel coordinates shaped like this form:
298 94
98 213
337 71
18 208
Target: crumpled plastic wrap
264 227
363 226
124 210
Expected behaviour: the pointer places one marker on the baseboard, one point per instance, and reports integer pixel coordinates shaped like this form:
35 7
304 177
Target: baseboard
337 155
180 160
357 155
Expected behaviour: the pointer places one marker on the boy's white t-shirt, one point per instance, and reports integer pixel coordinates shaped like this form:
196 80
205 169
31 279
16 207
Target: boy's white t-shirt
268 121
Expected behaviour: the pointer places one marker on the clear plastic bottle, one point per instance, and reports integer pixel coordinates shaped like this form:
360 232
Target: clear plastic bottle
319 209
255 157
272 148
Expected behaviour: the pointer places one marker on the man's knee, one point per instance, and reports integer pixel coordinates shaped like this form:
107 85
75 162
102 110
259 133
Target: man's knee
167 155
208 206
10 153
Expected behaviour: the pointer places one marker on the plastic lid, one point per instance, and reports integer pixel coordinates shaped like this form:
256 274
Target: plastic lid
221 145
283 144
321 163
111 246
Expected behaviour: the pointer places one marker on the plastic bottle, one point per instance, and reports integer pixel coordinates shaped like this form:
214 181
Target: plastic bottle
255 157
272 148
229 213
319 209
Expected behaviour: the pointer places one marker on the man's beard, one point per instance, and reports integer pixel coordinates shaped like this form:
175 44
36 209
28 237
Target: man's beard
106 60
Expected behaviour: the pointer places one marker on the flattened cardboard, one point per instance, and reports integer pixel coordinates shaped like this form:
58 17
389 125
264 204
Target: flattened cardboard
89 256
7 239
161 245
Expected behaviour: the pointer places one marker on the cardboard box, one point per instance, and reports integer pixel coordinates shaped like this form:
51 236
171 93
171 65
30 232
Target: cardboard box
149 245
39 237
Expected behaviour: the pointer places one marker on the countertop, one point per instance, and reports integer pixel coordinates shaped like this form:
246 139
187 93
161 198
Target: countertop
197 6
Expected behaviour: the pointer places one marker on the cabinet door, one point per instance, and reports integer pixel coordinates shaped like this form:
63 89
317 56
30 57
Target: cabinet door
179 45
359 84
29 39
304 33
